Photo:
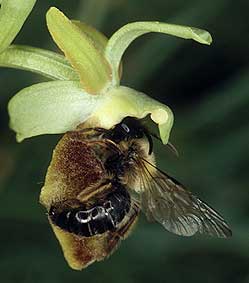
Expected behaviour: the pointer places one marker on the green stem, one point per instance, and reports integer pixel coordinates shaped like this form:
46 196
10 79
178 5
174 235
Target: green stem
46 63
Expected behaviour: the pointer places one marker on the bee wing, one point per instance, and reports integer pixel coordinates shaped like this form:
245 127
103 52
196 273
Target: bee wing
166 201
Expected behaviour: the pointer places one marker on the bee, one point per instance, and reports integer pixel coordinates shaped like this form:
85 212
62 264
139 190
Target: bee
98 182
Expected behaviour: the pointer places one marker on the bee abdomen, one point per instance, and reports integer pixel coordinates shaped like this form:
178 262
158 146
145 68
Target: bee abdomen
98 219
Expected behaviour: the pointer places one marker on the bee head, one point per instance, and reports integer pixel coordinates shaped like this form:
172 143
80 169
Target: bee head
129 128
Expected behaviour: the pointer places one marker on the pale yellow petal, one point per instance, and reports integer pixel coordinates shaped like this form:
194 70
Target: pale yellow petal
122 38
79 49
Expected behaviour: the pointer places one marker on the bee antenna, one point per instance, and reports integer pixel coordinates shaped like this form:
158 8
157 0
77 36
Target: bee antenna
148 136
173 149
169 144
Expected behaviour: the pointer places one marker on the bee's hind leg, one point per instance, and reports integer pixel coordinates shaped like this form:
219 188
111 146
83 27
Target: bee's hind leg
123 232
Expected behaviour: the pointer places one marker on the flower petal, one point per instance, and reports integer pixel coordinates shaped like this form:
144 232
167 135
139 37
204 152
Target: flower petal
98 38
122 101
44 62
122 38
79 49
50 108
12 17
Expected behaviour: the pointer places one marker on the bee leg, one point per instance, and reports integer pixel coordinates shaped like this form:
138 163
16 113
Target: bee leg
106 143
66 204
87 130
94 191
124 231
129 224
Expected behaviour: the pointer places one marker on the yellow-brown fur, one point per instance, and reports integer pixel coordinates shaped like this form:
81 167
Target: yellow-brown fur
76 172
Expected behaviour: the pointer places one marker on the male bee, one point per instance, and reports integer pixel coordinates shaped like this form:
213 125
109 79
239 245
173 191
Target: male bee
99 180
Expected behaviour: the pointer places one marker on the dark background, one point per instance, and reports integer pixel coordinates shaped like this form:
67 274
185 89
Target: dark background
208 90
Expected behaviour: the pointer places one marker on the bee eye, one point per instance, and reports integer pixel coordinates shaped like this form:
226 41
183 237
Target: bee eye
125 127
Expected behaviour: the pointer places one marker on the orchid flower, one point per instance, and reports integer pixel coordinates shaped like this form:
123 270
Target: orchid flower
86 90
87 80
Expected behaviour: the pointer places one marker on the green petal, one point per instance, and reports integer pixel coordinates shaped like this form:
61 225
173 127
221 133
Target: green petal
98 38
44 62
79 49
50 108
122 101
13 14
122 38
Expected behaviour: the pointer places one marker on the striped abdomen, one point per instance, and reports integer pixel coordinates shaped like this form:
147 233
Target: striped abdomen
101 217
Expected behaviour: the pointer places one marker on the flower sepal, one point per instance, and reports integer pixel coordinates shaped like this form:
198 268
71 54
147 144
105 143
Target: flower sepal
60 106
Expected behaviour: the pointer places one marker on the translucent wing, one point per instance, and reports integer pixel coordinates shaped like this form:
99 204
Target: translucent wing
166 201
